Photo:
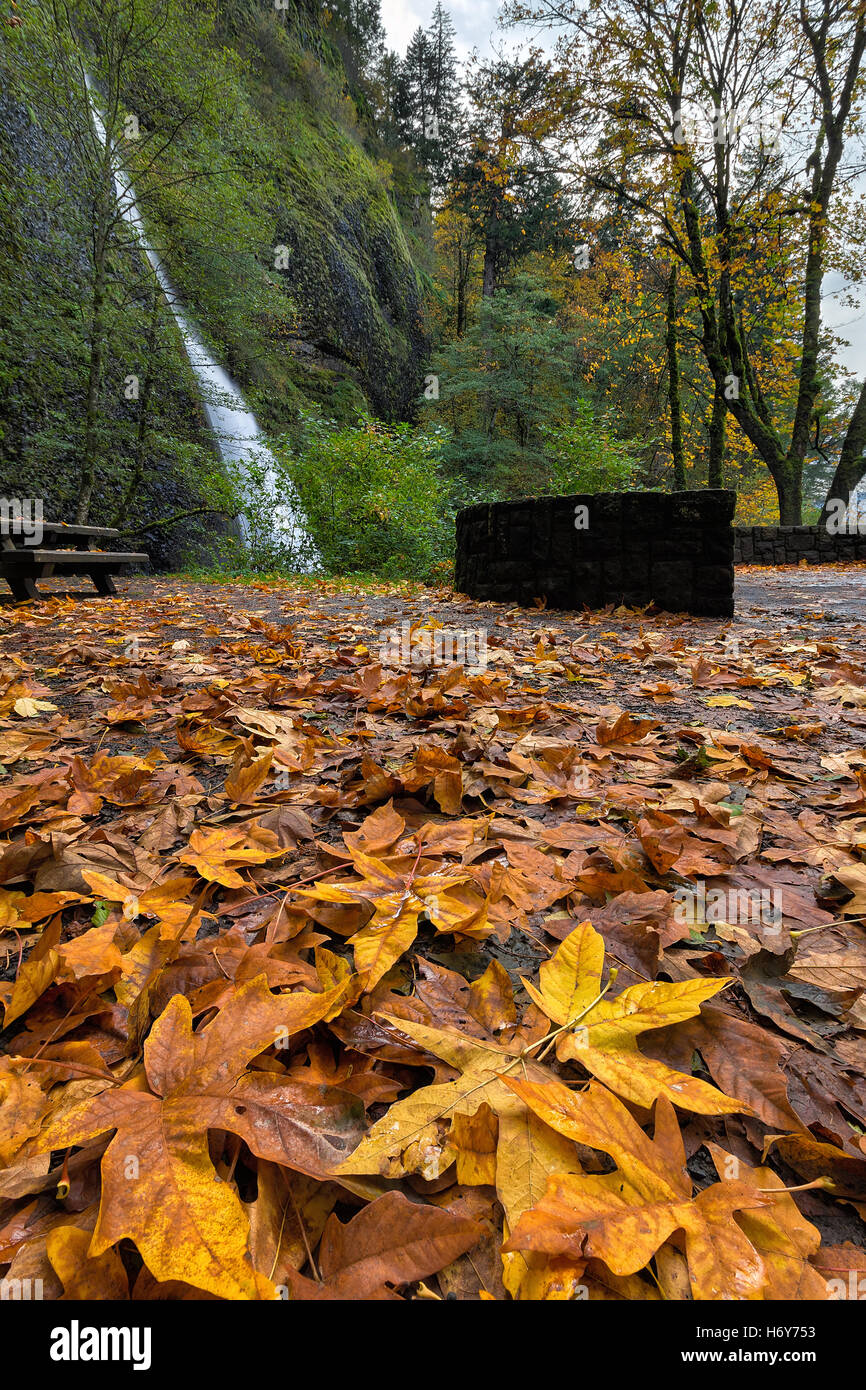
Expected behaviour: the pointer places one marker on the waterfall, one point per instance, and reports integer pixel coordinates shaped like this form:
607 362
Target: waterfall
234 426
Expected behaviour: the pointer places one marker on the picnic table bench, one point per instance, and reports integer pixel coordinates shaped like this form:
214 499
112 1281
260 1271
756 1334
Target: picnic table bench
63 550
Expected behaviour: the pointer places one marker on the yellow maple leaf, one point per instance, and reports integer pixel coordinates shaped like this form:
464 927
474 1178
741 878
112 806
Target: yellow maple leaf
602 1034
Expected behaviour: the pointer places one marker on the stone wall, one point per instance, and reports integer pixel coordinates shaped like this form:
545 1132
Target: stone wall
788 545
672 549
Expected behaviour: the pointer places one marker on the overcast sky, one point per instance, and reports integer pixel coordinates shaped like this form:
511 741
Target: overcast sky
474 20
475 23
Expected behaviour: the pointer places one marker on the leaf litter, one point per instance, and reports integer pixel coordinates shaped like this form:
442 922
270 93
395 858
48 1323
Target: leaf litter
330 975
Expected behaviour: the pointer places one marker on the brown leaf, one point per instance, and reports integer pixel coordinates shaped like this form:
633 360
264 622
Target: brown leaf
390 1243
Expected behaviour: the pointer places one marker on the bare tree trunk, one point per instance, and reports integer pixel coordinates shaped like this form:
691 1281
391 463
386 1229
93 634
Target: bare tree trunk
105 214
464 262
488 279
143 411
789 487
674 385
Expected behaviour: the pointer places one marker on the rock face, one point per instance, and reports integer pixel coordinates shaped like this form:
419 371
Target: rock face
300 266
325 282
360 310
789 545
44 272
672 549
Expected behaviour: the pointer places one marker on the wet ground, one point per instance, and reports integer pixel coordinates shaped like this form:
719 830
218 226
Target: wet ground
834 592
831 592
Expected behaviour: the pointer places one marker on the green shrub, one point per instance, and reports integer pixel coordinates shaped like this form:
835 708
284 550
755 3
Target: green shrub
584 455
373 496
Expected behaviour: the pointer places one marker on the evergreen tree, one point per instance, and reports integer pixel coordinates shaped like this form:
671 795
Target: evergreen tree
444 95
430 97
511 375
417 116
508 187
389 97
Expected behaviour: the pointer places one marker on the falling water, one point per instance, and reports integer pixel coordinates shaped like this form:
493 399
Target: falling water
235 428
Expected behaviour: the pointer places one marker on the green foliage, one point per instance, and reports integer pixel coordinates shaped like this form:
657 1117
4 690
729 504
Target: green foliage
373 496
585 456
507 392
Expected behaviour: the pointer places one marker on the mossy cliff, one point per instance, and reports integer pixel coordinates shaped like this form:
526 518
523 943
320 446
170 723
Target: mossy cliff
347 220
320 246
298 246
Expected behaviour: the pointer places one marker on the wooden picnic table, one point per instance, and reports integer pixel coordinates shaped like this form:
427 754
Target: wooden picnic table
63 549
